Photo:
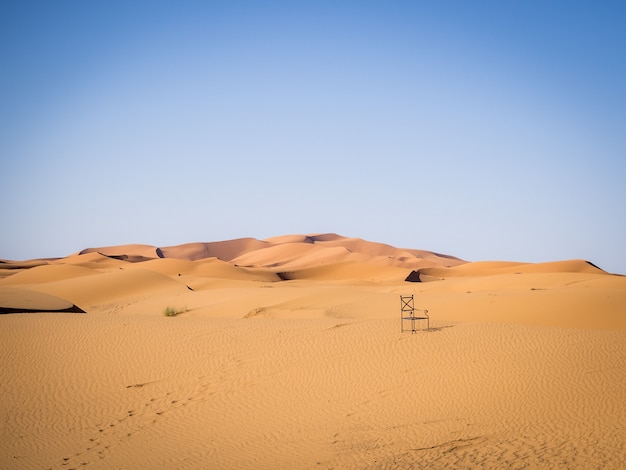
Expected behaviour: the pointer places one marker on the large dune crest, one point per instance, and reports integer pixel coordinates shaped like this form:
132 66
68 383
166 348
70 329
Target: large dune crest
277 251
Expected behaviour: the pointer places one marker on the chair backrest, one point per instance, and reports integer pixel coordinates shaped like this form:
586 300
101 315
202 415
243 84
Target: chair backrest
407 304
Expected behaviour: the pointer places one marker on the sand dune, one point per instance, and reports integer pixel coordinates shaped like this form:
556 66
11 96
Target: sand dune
224 250
47 273
95 260
8 267
278 250
136 250
293 256
24 301
351 269
287 353
491 268
106 288
206 268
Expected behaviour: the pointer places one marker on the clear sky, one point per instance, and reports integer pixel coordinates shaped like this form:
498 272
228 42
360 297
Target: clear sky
487 130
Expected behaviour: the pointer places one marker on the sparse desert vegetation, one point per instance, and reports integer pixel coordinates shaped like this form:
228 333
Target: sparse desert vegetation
172 312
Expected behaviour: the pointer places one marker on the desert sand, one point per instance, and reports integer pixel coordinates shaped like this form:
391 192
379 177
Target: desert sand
288 353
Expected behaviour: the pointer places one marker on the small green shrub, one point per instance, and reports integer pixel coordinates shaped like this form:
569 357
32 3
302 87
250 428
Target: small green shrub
172 312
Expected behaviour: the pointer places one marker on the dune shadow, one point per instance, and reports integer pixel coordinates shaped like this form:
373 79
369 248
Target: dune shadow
72 309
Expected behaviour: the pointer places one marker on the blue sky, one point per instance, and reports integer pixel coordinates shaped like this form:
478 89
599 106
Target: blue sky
488 130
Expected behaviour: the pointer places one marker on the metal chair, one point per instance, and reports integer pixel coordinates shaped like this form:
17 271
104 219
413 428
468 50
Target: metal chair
408 313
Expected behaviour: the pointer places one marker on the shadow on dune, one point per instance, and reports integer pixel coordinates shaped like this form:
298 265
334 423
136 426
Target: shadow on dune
129 258
72 309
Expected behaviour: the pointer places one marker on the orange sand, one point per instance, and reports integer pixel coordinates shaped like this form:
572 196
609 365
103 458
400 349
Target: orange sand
288 354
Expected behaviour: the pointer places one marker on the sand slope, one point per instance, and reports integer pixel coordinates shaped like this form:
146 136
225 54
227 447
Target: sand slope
288 354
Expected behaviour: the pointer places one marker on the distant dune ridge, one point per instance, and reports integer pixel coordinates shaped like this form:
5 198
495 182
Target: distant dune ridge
287 353
250 250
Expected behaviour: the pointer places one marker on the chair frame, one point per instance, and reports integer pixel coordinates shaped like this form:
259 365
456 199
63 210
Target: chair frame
408 313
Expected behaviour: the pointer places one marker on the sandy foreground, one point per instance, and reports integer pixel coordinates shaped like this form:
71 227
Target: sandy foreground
288 353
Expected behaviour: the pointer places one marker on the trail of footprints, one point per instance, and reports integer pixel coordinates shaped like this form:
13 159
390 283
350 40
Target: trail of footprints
107 434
